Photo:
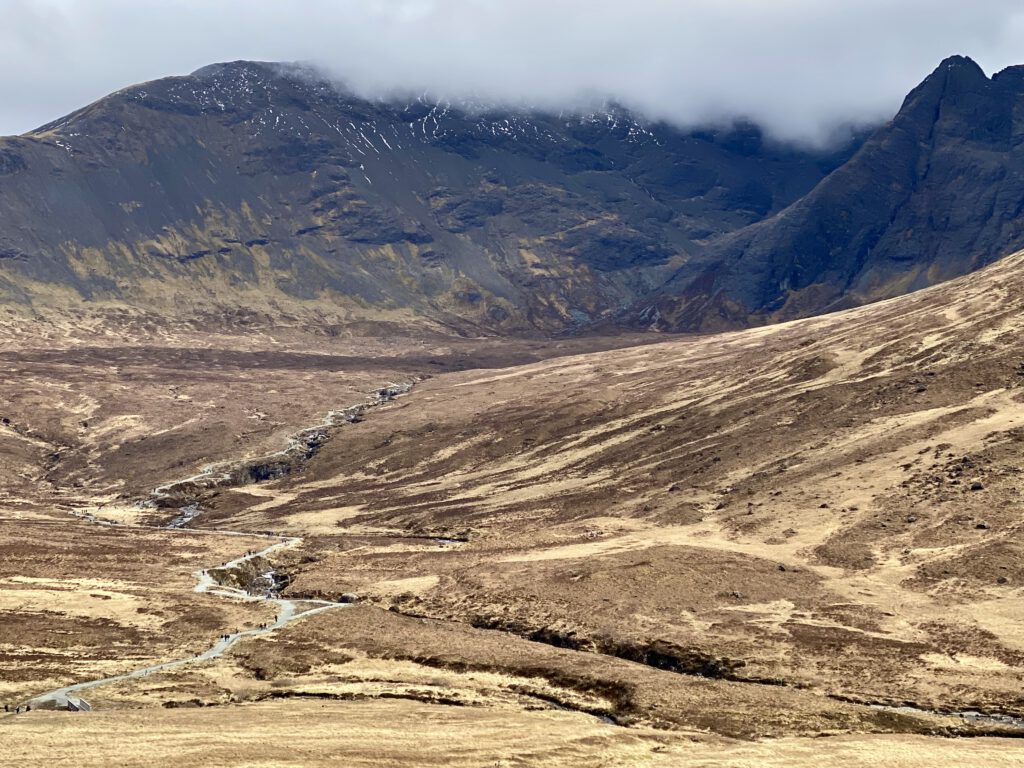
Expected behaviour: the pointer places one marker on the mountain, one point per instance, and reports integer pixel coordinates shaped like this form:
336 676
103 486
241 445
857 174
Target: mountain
633 549
250 190
249 186
935 193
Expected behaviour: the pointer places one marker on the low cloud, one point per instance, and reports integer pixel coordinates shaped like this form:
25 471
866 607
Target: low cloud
799 67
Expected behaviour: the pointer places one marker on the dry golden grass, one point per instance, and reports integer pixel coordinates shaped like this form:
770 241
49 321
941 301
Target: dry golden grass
308 734
80 601
750 535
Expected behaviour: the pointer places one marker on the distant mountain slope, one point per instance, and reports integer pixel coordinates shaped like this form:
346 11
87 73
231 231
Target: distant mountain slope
935 193
249 187
258 186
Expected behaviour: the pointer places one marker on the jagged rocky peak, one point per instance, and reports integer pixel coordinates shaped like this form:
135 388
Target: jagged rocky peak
931 195
955 75
961 76
962 68
960 89
961 100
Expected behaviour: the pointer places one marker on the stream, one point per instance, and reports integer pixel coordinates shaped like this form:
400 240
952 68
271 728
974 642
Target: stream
302 444
287 612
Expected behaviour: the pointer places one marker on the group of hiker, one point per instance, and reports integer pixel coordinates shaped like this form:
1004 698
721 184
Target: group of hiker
264 625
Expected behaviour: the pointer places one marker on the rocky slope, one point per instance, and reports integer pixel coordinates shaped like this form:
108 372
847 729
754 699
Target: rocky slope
257 188
935 193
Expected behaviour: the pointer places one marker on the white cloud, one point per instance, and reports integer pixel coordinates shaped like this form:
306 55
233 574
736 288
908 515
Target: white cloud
798 66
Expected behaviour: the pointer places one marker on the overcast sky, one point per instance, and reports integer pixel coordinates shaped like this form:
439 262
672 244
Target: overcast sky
797 66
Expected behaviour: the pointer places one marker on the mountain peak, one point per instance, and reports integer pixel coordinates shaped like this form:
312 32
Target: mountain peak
958 62
248 68
955 78
956 74
231 67
963 74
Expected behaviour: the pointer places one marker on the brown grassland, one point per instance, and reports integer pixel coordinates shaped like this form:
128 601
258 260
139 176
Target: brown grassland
795 545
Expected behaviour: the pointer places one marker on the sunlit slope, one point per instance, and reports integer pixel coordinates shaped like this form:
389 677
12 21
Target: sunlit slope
831 503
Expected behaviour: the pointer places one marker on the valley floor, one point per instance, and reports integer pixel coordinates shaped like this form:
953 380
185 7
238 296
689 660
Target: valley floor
710 550
309 734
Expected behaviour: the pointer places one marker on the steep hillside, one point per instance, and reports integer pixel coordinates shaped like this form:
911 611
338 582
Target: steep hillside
250 190
257 187
936 193
828 505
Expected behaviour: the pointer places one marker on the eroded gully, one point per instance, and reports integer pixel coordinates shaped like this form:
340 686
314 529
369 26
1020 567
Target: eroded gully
303 443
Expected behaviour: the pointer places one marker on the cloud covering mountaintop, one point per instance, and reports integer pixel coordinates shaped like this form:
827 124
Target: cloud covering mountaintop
799 67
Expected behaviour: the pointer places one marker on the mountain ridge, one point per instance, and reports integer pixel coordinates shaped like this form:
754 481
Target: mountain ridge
258 187
890 220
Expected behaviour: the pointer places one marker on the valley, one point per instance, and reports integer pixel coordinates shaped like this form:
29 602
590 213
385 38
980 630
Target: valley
356 426
716 548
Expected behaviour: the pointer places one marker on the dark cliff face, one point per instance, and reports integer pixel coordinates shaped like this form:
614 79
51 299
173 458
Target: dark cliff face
251 184
935 193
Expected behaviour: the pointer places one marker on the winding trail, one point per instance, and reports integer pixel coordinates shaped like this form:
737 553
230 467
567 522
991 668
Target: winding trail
287 612
303 443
